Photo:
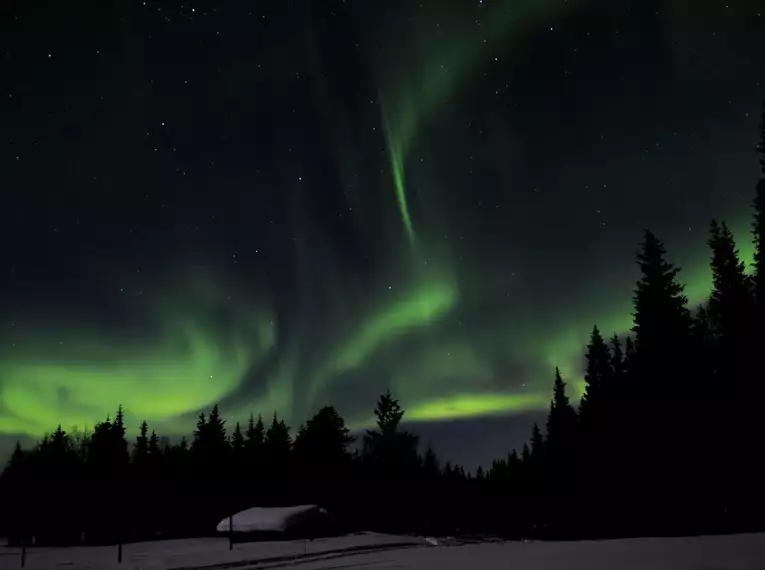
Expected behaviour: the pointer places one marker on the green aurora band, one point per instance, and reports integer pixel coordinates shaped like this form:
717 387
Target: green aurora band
440 61
193 361
191 358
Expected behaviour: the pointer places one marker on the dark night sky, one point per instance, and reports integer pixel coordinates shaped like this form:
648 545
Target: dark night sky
277 205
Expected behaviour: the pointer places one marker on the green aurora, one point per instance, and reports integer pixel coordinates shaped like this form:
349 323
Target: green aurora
187 357
432 65
191 361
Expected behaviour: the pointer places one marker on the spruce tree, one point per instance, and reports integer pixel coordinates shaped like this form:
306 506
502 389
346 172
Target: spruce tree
322 444
154 449
561 427
758 229
430 466
255 435
526 453
216 431
200 433
277 458
237 441
596 431
537 446
664 380
758 392
388 444
598 373
141 447
661 317
737 380
617 357
388 413
390 458
731 314
630 358
701 330
323 457
731 305
662 328
560 455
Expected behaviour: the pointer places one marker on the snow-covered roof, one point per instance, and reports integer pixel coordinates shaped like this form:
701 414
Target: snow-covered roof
265 519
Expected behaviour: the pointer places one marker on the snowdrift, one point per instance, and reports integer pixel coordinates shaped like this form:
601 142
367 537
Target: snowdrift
286 520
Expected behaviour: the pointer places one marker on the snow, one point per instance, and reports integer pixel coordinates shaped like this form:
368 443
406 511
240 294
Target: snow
197 553
262 519
377 551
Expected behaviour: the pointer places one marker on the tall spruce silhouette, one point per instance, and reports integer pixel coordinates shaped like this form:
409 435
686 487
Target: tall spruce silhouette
323 459
599 447
758 231
560 451
277 460
390 458
662 328
597 377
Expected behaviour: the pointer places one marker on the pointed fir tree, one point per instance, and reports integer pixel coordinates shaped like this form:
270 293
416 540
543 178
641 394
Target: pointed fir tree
154 449
118 426
525 454
256 433
388 443
390 459
663 379
561 426
237 441
758 230
216 427
141 446
594 409
322 445
597 376
200 432
537 445
430 465
659 376
630 357
617 357
276 453
661 317
731 304
388 413
17 456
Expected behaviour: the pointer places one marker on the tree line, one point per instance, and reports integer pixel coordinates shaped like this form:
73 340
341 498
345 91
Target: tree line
667 439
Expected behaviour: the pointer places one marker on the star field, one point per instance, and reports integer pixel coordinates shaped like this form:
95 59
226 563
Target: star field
281 205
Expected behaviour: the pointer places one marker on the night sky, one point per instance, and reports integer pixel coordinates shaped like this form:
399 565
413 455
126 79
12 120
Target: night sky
279 205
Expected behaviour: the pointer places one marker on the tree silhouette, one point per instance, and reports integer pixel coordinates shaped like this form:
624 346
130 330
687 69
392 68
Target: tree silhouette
277 458
662 327
758 230
661 318
141 447
323 458
322 444
598 374
237 448
731 306
390 456
256 434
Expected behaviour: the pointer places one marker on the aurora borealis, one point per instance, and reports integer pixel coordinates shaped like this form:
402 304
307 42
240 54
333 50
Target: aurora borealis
277 206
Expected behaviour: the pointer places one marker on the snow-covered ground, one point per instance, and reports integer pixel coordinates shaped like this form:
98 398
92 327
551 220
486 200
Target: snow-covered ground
196 552
733 552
